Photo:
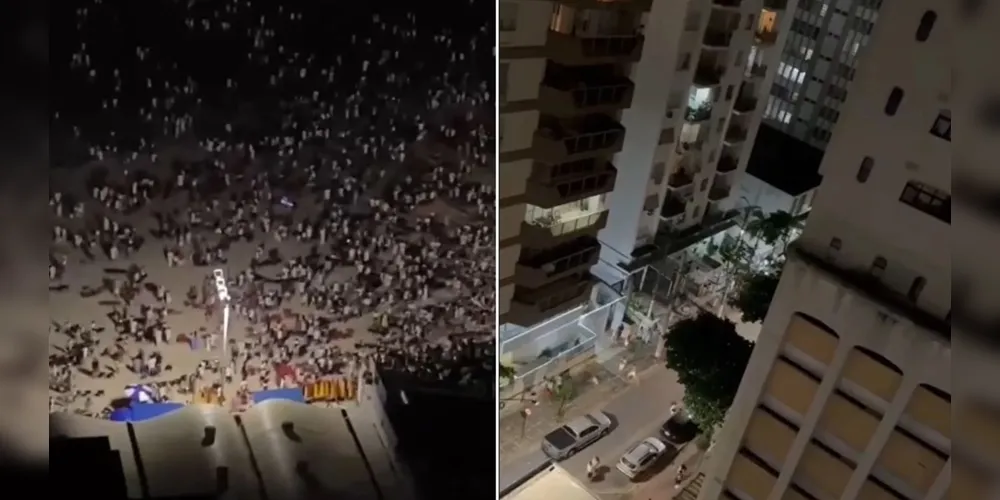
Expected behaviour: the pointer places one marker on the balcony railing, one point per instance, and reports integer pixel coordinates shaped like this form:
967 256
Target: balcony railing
579 48
577 88
736 134
766 37
559 226
755 71
698 114
713 223
745 105
866 285
672 207
559 139
733 4
707 75
717 39
775 4
726 165
718 193
680 179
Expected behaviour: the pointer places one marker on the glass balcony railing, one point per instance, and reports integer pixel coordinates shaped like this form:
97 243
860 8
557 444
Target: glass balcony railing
568 223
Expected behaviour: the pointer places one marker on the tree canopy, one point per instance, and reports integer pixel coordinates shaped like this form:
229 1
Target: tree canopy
754 296
709 357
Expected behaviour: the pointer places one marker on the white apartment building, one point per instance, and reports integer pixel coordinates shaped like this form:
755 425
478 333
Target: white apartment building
692 124
625 126
818 62
848 392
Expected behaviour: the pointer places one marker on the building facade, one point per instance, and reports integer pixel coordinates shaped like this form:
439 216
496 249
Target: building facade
564 78
848 392
817 64
624 129
691 128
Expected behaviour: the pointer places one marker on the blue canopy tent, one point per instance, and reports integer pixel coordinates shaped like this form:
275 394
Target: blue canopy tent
286 394
143 411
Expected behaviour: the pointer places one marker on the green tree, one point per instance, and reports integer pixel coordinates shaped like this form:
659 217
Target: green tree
709 357
753 298
563 393
774 229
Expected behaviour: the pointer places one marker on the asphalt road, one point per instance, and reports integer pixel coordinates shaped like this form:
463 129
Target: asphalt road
636 414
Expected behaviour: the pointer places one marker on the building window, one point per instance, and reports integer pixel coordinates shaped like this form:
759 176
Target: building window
697 211
749 22
928 200
508 16
892 104
942 125
836 244
926 25
915 288
729 93
867 163
878 266
704 185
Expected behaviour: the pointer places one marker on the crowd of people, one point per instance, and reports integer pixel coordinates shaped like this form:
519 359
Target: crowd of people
333 166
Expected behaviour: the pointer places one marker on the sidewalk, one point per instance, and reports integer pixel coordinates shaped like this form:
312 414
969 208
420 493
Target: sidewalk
519 435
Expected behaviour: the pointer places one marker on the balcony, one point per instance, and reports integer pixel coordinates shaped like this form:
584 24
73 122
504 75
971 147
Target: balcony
862 283
680 179
707 75
755 71
717 39
727 4
744 105
766 38
735 135
714 222
775 4
552 264
672 207
550 193
569 91
698 114
719 192
554 231
587 50
561 141
727 164
529 307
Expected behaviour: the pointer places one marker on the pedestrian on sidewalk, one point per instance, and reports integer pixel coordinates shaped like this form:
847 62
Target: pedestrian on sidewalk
592 467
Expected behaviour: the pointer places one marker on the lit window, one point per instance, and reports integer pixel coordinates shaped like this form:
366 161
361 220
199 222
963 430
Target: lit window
801 78
822 10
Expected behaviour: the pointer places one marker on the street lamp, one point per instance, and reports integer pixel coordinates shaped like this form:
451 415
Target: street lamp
222 292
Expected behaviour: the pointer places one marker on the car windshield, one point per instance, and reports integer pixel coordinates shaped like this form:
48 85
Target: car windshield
628 463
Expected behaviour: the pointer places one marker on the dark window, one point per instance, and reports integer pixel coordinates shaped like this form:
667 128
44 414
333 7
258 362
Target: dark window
749 21
729 92
915 288
704 184
867 163
942 126
948 316
926 25
928 200
892 104
836 243
878 266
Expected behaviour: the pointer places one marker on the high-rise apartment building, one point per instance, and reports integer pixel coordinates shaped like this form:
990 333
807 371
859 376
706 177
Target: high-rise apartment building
848 392
564 79
624 128
691 128
817 63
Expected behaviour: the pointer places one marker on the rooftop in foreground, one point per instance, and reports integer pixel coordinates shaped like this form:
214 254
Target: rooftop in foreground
552 483
277 449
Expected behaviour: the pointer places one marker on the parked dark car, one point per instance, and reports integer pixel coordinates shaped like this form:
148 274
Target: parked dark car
679 429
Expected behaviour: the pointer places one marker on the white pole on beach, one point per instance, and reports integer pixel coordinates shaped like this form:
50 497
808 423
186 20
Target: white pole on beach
222 292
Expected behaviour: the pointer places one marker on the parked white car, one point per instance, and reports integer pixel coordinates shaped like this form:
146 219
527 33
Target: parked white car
639 457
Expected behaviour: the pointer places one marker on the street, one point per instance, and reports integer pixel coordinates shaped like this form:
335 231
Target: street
636 413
